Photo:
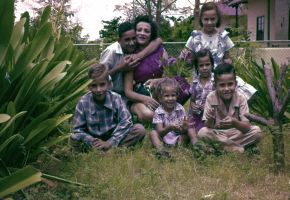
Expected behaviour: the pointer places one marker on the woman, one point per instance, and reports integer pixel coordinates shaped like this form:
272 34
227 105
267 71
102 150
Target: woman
149 70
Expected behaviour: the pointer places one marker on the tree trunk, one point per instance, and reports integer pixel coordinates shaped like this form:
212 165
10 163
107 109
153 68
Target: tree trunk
196 14
158 12
278 148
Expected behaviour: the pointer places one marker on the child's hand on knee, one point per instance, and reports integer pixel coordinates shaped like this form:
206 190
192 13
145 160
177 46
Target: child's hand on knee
101 145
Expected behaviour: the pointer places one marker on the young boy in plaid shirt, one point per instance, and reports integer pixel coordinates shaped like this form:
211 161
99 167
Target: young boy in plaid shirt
101 119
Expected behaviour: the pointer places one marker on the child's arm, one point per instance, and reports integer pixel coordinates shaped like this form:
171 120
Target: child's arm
232 122
150 48
196 109
163 130
79 128
208 114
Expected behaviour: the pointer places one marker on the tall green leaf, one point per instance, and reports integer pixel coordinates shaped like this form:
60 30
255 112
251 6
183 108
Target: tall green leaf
19 180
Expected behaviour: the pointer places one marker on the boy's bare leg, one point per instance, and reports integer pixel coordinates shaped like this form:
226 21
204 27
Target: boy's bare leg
135 135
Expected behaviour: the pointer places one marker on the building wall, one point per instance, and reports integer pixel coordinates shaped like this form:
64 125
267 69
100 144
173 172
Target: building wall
259 8
282 20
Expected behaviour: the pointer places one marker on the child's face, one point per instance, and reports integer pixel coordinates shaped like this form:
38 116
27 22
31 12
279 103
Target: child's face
128 41
209 20
225 86
143 33
204 67
168 98
99 87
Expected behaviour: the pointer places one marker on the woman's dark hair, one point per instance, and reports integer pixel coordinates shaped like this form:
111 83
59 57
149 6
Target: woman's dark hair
224 68
200 54
210 6
147 19
124 27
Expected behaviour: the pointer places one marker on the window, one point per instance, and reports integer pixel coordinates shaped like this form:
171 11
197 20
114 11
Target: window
260 28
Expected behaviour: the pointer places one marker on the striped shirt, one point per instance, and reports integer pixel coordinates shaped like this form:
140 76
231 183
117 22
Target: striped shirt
93 121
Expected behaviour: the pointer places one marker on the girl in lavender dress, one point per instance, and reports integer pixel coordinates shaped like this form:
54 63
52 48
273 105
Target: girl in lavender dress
149 69
170 123
201 86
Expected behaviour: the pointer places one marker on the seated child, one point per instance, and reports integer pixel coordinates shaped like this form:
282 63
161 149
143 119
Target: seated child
224 114
169 119
101 118
201 86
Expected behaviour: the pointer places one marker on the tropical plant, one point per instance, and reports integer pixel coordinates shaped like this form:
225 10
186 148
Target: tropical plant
271 104
41 75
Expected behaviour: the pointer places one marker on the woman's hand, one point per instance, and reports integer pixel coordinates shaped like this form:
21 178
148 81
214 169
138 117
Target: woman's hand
152 82
150 103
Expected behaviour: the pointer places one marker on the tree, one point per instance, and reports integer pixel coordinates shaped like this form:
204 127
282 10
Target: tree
153 8
271 102
62 17
110 31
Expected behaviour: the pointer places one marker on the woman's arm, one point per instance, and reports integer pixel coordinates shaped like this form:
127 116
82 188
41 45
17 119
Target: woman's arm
136 97
150 48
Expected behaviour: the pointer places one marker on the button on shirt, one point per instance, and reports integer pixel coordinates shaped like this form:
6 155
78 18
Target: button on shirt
92 120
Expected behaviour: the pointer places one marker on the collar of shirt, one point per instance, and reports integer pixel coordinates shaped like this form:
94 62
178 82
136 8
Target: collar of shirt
218 102
119 49
176 108
108 102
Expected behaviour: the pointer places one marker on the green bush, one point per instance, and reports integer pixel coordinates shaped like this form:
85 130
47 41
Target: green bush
41 72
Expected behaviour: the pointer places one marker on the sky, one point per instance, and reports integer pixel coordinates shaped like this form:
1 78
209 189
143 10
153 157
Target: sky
91 12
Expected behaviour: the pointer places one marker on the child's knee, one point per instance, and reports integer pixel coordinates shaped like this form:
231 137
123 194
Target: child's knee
140 130
203 133
257 133
145 115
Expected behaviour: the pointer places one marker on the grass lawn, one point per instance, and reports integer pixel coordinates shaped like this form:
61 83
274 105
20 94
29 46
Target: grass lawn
137 174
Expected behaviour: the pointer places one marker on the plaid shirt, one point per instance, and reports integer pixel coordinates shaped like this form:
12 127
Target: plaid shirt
92 120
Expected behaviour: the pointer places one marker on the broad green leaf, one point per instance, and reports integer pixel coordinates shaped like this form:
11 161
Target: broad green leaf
19 180
43 130
12 149
45 15
4 118
2 132
54 72
17 34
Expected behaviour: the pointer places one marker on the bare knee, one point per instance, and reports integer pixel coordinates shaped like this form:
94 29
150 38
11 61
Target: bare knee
143 113
257 132
140 130
203 133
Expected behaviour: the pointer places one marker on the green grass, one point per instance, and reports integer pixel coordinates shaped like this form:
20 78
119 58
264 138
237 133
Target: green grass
137 174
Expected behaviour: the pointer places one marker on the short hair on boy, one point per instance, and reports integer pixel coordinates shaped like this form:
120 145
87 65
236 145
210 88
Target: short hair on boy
224 68
147 19
124 27
99 71
200 54
166 82
210 6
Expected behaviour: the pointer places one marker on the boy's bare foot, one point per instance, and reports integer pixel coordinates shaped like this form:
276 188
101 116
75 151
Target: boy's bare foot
234 149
